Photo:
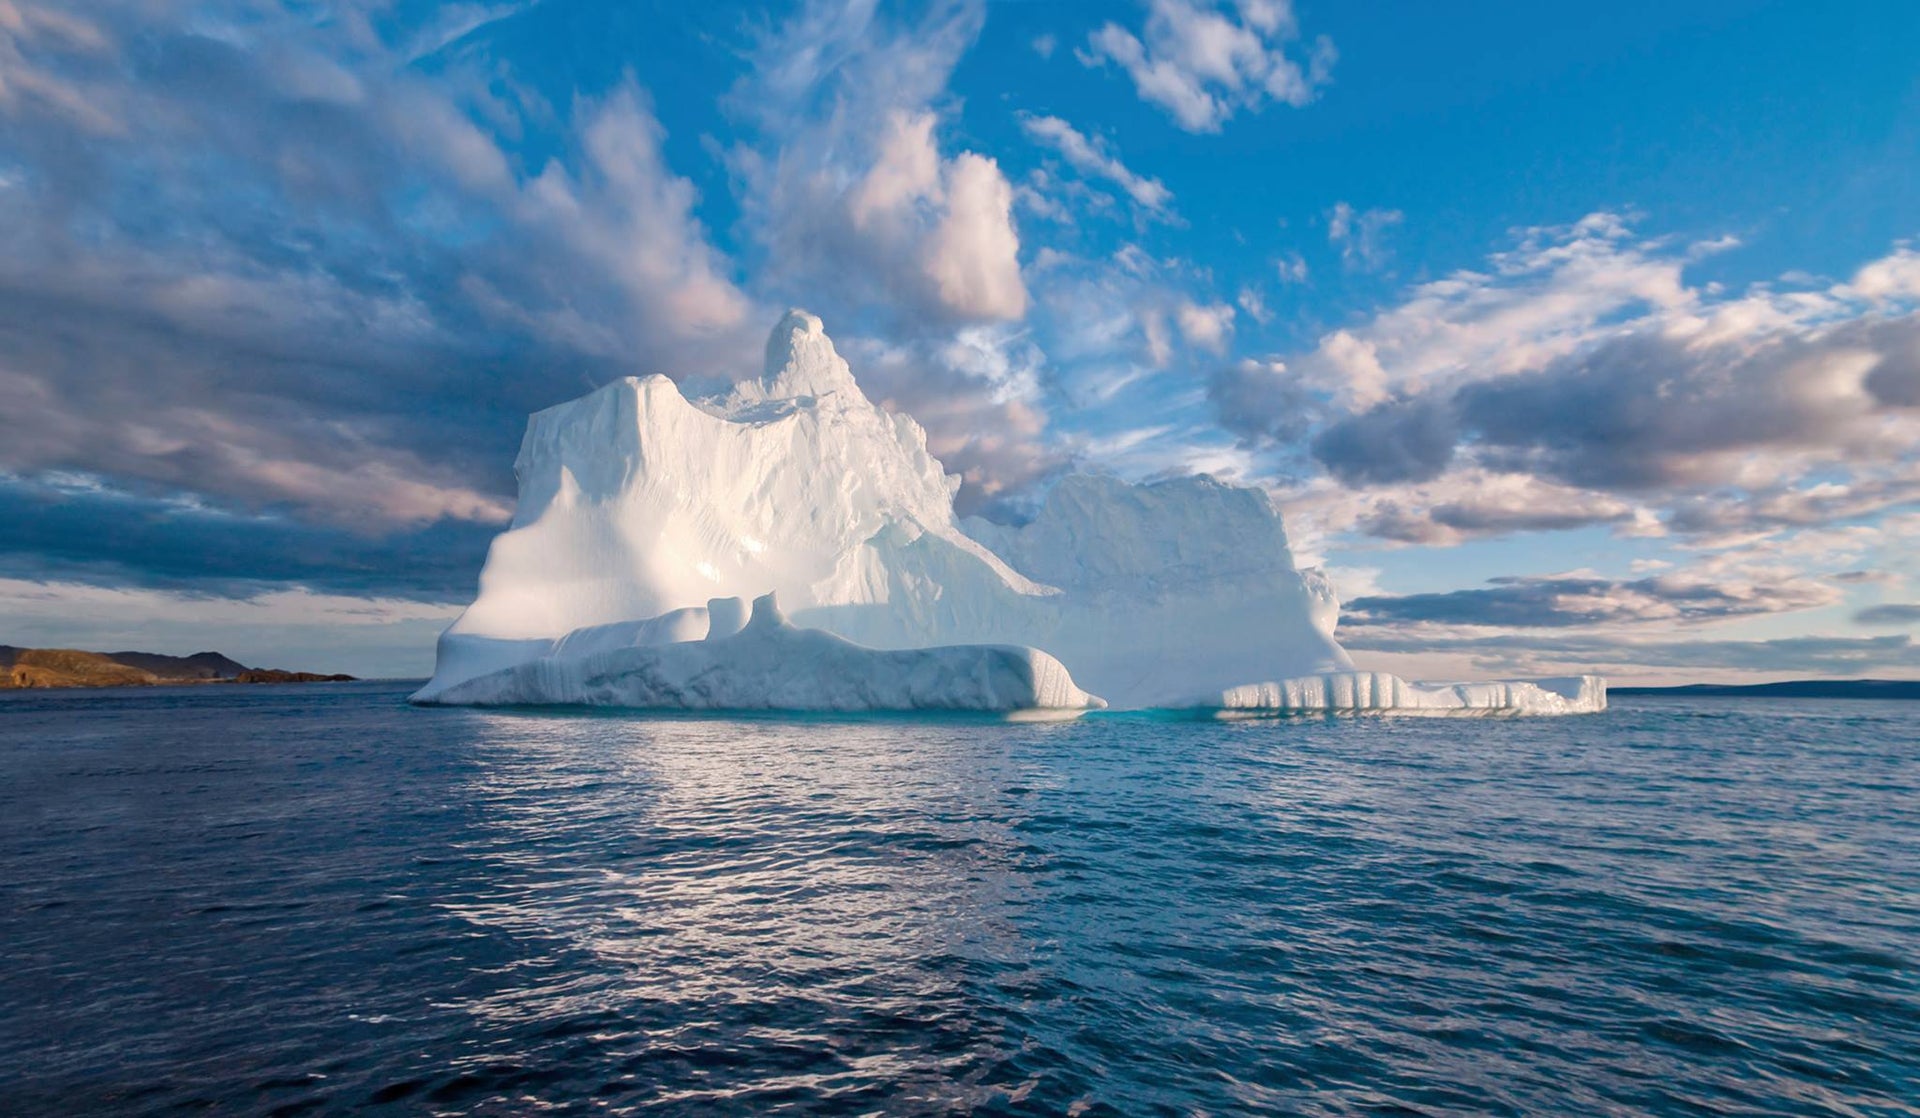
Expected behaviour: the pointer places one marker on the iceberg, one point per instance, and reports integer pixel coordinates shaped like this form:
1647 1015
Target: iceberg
771 665
636 501
644 510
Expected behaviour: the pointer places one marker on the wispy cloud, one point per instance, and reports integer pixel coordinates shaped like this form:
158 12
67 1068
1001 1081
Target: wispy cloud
1890 614
1091 156
1534 653
1202 64
1566 601
1360 235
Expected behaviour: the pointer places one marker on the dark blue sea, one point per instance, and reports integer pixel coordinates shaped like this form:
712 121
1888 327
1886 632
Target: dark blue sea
286 900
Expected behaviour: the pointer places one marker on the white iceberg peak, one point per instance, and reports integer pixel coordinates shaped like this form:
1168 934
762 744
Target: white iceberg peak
801 361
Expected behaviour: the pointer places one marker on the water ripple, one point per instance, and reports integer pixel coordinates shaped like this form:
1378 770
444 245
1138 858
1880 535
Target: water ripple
285 901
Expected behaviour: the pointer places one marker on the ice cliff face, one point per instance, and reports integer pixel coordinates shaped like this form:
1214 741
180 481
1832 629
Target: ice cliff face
1169 588
637 502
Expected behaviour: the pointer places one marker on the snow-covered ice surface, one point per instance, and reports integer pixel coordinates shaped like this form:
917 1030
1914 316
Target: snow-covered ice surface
1381 692
638 503
771 665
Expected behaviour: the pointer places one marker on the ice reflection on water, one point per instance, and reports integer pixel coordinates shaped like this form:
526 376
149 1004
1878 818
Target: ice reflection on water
816 885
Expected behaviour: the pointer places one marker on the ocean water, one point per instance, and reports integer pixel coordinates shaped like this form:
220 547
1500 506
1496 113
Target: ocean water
317 900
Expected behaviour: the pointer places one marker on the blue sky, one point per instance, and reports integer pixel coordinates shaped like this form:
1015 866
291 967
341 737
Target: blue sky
1567 337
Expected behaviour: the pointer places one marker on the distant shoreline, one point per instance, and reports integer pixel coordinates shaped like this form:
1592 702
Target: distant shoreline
1788 689
62 669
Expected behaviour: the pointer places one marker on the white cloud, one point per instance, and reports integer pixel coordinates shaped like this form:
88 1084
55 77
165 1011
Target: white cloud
1126 328
1358 234
1252 302
998 355
1090 156
1468 503
973 254
1159 340
454 22
1892 277
1558 290
1205 326
34 42
1625 626
1584 599
1580 380
846 189
1202 64
904 174
51 601
626 214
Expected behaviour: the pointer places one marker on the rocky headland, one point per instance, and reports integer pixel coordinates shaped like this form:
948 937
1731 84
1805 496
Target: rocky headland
71 667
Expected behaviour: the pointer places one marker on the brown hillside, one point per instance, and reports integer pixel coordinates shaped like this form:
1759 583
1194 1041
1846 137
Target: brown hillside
67 667
199 666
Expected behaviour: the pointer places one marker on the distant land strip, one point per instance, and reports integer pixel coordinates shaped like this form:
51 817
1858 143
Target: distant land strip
1789 689
25 668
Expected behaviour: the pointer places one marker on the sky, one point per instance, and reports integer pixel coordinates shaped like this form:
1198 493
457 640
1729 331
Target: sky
1566 337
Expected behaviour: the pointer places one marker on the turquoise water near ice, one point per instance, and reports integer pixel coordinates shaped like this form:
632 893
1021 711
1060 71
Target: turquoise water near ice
318 900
